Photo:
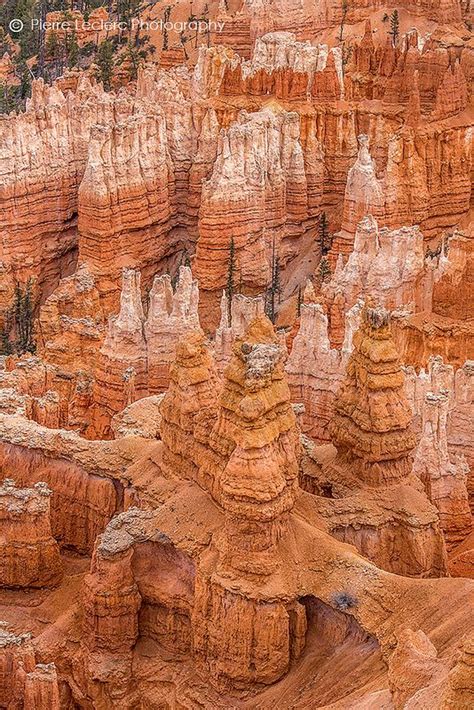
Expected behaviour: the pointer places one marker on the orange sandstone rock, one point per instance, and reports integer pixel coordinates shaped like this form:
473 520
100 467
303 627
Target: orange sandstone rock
126 197
372 420
233 324
29 554
258 194
188 409
23 682
171 314
387 265
121 375
444 480
315 371
256 489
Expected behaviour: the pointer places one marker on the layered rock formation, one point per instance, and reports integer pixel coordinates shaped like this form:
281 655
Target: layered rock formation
315 371
452 292
444 480
136 354
256 489
170 315
104 162
188 409
384 264
251 205
226 546
371 427
458 429
121 375
234 321
125 200
39 240
79 472
110 620
455 384
29 554
239 527
372 431
364 195
25 683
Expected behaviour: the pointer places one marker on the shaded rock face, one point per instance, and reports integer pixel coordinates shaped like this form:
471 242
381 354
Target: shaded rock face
315 371
38 238
24 683
452 292
125 199
256 196
83 499
136 353
29 554
444 480
124 598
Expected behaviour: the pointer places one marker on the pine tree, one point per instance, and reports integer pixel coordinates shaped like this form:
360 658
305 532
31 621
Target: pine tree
25 85
23 314
230 286
130 10
133 57
324 270
274 289
6 347
5 344
19 323
7 98
166 18
72 49
325 238
52 46
4 44
105 63
394 27
345 9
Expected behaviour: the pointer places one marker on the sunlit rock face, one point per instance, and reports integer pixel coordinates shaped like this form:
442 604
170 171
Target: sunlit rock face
236 361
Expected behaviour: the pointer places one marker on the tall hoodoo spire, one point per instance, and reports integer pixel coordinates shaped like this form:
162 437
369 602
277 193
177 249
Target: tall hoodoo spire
372 424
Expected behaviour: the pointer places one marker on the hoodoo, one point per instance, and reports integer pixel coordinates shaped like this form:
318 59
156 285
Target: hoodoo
29 553
371 427
236 355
